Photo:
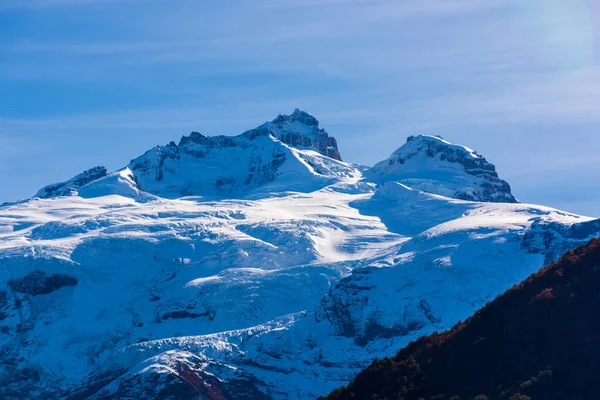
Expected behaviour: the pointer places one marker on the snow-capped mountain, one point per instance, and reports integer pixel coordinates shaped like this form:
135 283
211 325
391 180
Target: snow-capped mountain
291 153
256 266
431 164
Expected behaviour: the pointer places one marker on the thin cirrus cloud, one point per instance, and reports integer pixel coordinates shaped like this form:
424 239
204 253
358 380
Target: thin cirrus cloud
368 40
368 36
49 4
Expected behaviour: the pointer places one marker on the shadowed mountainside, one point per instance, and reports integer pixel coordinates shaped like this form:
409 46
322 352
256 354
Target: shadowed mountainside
540 340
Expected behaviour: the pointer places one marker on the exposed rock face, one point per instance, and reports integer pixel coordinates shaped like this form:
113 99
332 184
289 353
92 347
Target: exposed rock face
234 165
3 305
300 130
433 165
553 239
175 375
347 307
38 283
70 187
213 166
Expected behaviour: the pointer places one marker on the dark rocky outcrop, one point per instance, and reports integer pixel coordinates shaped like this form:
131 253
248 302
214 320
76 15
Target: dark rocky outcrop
39 283
3 305
186 380
317 138
70 187
347 307
553 239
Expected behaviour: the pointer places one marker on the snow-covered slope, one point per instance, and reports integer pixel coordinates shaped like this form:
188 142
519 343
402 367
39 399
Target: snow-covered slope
283 289
69 188
290 153
434 165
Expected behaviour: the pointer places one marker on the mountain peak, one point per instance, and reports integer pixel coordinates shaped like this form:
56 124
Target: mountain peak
435 143
300 130
297 116
434 165
258 159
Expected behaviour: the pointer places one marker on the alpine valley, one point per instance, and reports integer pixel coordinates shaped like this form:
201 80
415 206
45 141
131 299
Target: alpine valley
258 266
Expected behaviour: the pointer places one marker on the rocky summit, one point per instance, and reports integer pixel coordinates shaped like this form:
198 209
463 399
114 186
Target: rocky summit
291 152
257 266
434 165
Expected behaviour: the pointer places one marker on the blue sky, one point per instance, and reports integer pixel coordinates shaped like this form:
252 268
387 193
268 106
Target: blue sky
98 82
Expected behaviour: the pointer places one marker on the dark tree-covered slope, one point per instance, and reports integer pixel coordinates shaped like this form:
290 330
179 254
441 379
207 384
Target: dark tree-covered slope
540 340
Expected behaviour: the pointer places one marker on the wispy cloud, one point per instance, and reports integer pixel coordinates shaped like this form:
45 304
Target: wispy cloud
553 97
49 4
370 41
405 9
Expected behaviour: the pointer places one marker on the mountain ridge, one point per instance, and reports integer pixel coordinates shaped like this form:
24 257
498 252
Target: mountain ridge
70 186
450 170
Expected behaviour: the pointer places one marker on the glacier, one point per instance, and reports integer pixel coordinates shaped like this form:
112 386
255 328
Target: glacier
259 266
